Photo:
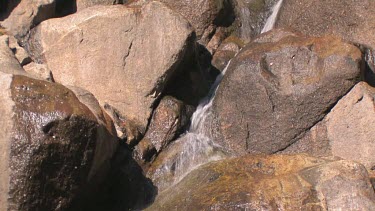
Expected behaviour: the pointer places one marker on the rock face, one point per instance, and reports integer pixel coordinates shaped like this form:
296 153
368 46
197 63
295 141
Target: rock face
168 119
83 4
127 71
28 14
8 61
350 19
53 148
272 183
346 131
226 51
278 87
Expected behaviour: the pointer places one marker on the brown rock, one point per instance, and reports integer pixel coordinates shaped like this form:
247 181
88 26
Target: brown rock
128 71
8 61
271 183
53 148
40 71
226 51
83 4
274 91
26 15
346 131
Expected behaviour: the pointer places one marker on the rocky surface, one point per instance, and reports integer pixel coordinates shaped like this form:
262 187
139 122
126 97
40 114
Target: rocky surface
278 87
346 131
350 19
134 66
226 51
169 119
83 4
53 147
272 183
26 15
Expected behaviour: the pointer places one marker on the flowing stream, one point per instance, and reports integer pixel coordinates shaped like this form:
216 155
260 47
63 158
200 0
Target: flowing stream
198 147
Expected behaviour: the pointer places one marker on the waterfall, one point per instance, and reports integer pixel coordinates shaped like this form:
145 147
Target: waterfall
272 19
196 146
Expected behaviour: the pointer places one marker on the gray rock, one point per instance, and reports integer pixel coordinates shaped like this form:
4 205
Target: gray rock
273 92
346 131
127 71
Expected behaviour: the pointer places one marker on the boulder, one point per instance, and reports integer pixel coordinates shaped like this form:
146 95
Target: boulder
278 87
347 131
26 15
20 53
204 15
8 61
40 71
53 148
350 19
123 55
274 182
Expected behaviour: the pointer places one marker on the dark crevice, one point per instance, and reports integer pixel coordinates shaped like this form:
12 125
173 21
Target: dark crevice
6 7
65 7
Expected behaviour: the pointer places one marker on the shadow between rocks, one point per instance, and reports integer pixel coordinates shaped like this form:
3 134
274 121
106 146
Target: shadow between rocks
126 187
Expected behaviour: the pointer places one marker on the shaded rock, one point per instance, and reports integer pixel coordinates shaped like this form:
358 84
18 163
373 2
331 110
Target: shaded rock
26 15
40 71
346 131
20 53
8 61
53 149
128 71
168 120
226 51
83 4
271 183
275 91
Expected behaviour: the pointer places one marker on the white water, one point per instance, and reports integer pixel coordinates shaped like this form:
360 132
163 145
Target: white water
270 24
198 147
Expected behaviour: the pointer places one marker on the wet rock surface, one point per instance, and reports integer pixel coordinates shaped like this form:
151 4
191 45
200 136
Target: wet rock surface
273 182
54 148
275 91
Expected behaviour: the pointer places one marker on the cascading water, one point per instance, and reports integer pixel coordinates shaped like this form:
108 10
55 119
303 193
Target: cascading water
273 17
196 146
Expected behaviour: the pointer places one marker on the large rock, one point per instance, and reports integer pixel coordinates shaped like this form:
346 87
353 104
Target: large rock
278 87
350 19
27 14
124 56
271 183
347 131
53 148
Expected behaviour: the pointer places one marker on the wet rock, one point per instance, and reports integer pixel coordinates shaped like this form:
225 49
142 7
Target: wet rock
346 131
273 92
271 183
26 15
53 148
123 55
251 16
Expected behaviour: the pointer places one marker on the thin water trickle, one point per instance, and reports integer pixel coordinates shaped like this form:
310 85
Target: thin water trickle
198 147
270 24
